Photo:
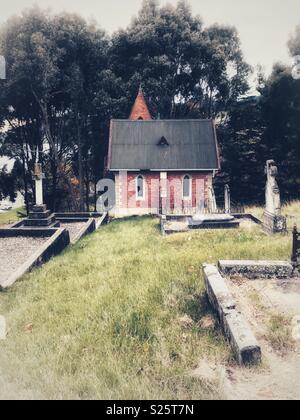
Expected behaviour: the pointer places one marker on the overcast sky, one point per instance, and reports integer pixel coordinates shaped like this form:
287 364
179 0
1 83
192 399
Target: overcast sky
264 25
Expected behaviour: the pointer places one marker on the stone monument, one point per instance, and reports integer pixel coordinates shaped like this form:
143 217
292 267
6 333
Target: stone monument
39 216
273 221
212 203
227 200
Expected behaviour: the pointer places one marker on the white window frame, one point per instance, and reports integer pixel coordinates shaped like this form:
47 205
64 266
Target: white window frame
187 198
138 197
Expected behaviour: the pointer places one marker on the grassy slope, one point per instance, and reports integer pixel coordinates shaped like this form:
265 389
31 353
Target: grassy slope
9 216
102 320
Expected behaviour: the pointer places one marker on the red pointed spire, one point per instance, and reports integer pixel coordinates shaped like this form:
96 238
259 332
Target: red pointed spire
140 110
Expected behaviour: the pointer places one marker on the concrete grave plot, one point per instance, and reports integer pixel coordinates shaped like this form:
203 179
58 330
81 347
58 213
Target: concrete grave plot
80 224
77 224
258 304
23 249
171 224
235 327
272 309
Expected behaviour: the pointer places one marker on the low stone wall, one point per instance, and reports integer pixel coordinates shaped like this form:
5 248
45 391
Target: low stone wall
257 269
90 227
234 325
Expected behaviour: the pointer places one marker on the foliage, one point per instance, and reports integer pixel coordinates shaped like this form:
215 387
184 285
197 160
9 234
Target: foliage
185 69
67 78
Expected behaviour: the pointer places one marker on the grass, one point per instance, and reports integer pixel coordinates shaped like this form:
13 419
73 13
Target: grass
278 326
10 216
279 333
102 320
290 210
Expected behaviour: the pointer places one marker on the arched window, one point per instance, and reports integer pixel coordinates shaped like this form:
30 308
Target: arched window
140 189
187 187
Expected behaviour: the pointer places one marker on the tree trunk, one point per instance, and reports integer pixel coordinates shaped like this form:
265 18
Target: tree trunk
25 187
80 167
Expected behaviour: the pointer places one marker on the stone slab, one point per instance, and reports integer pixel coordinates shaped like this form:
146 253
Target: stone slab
40 222
242 338
234 325
89 227
230 224
212 218
256 269
40 215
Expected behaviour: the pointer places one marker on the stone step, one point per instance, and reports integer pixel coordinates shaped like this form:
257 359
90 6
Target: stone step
40 215
39 222
214 225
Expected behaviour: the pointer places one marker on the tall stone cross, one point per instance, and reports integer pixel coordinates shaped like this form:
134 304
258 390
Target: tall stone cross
38 177
273 221
273 203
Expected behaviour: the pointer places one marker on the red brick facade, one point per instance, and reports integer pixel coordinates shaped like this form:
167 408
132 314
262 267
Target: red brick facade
153 199
161 192
140 109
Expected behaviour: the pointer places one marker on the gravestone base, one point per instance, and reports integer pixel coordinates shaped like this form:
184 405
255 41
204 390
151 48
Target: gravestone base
40 217
274 224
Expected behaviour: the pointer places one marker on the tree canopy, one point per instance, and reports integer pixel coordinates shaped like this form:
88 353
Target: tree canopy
66 78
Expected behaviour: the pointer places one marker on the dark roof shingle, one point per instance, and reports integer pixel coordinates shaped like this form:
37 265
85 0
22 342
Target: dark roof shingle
135 145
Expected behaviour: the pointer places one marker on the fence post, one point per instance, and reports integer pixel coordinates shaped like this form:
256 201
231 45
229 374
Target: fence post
296 246
227 200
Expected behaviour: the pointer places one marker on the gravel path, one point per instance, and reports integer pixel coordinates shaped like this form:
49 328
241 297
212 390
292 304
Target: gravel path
15 251
73 228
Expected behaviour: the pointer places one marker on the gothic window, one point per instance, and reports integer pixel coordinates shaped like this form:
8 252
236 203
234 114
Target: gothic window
187 187
140 189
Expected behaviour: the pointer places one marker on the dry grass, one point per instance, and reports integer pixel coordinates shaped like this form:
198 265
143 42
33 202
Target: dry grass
290 210
102 319
10 216
279 334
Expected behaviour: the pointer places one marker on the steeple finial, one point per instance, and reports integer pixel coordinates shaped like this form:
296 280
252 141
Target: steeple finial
140 110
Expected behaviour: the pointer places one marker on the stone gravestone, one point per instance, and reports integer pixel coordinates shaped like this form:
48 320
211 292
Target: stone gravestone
273 221
39 215
227 200
212 202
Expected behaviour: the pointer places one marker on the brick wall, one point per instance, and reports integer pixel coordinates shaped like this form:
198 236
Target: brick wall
126 197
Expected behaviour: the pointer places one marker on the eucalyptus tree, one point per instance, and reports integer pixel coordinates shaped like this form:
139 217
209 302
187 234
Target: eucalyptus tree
53 62
185 68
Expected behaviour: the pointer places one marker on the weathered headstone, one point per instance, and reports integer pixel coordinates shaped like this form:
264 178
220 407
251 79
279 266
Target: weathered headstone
227 200
273 221
212 203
